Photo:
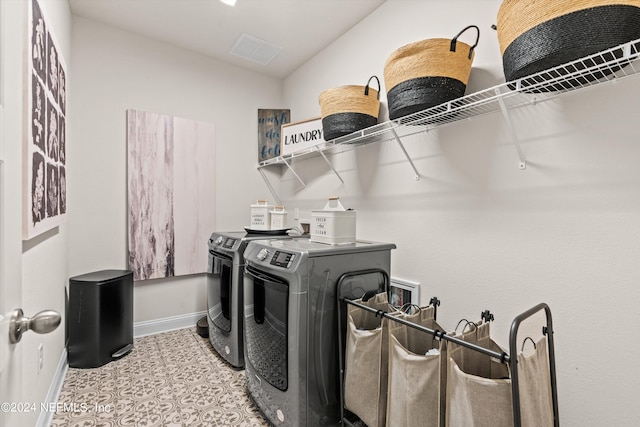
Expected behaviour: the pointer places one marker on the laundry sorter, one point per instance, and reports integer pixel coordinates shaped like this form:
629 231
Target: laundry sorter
475 382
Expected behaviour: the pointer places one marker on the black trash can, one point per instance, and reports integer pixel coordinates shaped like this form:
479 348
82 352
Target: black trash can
99 318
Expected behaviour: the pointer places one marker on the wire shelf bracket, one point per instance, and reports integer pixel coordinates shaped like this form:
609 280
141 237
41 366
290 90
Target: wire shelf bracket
270 187
404 151
294 173
324 156
514 137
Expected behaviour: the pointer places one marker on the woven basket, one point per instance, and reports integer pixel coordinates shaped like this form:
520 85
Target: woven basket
427 73
347 109
536 35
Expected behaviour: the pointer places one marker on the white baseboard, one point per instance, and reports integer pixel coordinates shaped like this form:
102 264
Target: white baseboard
157 326
44 420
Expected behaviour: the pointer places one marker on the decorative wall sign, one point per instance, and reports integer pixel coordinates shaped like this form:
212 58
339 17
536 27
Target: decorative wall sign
301 136
269 124
171 192
45 192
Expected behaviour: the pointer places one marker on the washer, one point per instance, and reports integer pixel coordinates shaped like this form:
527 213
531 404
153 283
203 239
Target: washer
291 336
224 292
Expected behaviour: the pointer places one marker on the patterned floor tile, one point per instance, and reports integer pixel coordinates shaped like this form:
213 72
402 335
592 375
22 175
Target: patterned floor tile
174 379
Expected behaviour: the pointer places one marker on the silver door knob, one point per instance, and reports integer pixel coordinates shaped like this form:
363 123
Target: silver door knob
42 323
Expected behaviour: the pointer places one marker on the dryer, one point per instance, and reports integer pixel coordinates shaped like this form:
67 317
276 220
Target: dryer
291 323
224 292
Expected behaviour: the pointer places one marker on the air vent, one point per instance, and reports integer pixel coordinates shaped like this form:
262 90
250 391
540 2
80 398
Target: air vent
255 49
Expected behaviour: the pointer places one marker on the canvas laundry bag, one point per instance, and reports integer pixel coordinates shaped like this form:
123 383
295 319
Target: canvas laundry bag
478 386
416 379
534 384
366 359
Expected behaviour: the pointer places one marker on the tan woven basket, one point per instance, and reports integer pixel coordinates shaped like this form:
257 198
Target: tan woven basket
347 109
409 70
536 35
518 16
349 99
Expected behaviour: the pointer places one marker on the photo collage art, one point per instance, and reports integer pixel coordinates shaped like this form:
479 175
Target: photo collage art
45 195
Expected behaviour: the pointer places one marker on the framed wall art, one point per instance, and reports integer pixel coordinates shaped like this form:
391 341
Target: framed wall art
171 194
269 126
45 160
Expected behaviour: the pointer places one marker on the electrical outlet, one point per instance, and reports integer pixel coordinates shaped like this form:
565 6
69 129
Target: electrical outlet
40 357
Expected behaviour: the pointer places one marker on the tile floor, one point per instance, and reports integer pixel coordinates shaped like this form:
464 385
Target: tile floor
170 379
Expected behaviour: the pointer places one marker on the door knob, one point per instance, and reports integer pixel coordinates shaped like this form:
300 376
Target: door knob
42 323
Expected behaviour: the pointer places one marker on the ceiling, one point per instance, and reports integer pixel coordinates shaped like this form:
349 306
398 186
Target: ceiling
301 28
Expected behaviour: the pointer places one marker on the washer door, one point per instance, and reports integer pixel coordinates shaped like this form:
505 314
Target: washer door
219 291
266 316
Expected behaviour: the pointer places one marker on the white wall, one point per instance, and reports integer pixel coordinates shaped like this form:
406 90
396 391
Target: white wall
114 71
481 234
34 271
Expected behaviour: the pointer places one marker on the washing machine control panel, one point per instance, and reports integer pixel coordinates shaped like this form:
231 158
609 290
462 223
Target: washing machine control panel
262 255
229 242
225 242
282 259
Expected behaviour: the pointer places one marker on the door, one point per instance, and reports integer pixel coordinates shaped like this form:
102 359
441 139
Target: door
266 314
219 280
10 297
10 385
4 322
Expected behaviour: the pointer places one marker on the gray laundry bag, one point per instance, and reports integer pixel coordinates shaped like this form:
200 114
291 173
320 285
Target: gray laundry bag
416 391
479 386
366 360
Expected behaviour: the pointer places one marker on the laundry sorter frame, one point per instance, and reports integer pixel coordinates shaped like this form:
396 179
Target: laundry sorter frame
503 357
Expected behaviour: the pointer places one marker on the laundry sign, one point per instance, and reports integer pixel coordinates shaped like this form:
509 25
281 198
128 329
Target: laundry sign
301 136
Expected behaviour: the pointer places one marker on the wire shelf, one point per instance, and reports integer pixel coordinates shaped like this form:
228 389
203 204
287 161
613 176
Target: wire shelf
608 65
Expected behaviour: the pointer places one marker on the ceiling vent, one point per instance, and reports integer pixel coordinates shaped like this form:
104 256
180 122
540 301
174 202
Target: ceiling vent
255 49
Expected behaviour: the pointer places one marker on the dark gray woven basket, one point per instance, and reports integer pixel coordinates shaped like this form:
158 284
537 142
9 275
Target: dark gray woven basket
348 109
427 73
568 38
341 124
421 93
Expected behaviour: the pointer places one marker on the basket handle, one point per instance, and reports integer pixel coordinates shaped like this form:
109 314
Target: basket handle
455 39
366 88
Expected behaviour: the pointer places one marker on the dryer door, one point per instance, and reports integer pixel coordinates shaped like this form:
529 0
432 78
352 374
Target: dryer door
219 291
266 316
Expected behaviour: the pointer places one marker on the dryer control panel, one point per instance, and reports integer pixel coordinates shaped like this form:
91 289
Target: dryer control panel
282 259
227 243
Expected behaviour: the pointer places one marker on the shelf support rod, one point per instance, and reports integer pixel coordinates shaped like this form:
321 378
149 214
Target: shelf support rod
413 166
269 186
331 166
294 173
514 136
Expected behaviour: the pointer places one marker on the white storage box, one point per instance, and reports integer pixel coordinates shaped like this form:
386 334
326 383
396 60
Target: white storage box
333 224
260 215
278 217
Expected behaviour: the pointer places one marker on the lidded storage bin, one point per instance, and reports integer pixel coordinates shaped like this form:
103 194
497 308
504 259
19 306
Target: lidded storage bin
427 73
536 35
333 224
278 216
260 215
347 109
